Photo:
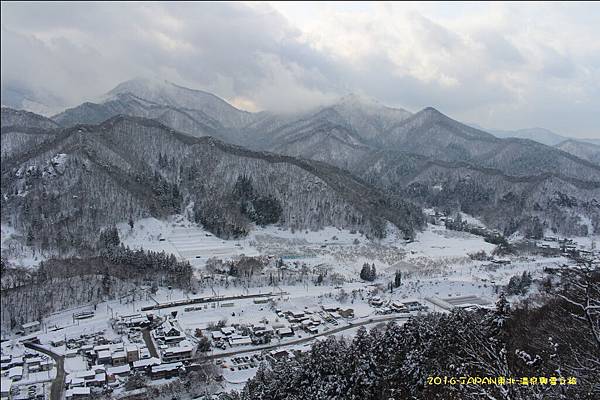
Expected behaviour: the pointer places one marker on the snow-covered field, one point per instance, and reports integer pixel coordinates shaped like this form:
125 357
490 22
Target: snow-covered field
435 266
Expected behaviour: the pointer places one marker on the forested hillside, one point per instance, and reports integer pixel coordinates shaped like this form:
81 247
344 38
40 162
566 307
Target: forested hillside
426 157
61 193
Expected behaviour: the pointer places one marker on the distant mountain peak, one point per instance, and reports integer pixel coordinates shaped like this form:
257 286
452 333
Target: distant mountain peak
431 111
357 99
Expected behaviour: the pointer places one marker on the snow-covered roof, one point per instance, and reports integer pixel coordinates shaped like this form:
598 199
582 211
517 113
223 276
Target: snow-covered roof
330 307
146 362
15 371
119 354
217 334
240 340
228 330
122 369
116 347
104 354
74 381
285 331
78 391
178 350
166 367
5 385
86 373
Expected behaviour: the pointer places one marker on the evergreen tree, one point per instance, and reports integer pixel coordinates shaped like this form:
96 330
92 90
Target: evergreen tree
372 273
398 279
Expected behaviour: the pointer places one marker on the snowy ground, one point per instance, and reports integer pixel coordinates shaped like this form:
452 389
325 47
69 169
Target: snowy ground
435 265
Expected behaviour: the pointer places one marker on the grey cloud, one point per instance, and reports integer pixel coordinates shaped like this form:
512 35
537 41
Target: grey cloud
67 53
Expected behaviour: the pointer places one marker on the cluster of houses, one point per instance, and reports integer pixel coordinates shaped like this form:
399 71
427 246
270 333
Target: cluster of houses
15 368
229 335
439 218
391 306
112 363
567 247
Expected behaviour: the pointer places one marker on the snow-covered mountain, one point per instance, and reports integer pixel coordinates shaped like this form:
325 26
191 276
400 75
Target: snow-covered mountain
368 117
134 167
26 119
541 135
179 97
584 150
390 148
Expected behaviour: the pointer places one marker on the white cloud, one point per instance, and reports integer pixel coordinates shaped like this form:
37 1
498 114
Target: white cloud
502 65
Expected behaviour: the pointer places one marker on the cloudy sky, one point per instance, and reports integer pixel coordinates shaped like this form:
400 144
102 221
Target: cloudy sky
502 66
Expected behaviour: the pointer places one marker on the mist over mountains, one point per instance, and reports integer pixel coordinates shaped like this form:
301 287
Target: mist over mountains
153 148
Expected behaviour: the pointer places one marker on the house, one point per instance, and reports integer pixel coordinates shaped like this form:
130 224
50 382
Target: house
5 364
330 307
312 329
376 301
122 370
34 361
276 355
70 353
397 306
104 357
78 393
143 364
412 305
98 369
166 370
346 312
169 329
15 373
86 375
144 353
30 327
177 353
239 340
131 321
74 382
133 353
5 386
228 330
297 314
307 323
118 358
217 335
261 329
16 362
97 349
285 332
98 381
86 349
